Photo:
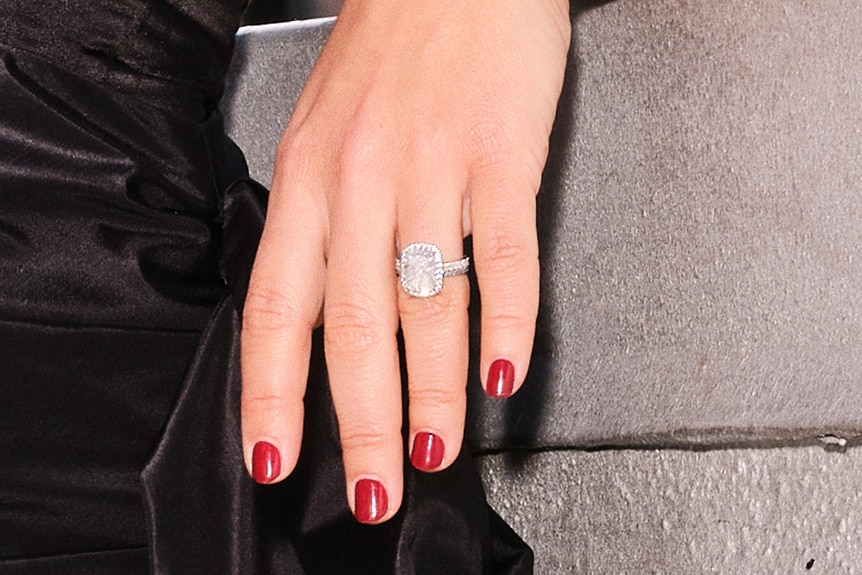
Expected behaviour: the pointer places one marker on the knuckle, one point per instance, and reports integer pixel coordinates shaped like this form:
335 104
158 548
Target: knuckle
263 403
502 158
351 328
502 253
271 409
292 145
269 309
297 151
363 146
490 142
368 437
433 312
437 397
510 322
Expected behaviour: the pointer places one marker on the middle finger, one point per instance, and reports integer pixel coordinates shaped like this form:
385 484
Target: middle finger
360 327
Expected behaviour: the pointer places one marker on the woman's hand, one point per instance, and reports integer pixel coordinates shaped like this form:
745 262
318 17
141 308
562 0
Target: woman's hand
422 121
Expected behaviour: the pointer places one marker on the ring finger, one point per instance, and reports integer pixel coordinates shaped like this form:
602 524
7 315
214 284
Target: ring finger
435 327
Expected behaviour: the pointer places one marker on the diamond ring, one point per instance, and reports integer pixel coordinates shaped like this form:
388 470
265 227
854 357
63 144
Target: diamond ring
422 269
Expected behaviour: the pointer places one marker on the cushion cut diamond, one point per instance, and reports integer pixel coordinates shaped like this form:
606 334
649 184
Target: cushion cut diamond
421 269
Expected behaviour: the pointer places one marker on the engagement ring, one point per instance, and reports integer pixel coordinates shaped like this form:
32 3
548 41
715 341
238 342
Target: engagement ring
422 269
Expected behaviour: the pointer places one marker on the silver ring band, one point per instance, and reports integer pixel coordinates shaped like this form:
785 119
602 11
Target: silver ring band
422 269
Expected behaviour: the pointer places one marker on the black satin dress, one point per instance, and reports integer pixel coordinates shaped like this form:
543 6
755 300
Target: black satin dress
127 231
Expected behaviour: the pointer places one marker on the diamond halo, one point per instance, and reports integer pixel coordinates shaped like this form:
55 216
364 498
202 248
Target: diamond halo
421 269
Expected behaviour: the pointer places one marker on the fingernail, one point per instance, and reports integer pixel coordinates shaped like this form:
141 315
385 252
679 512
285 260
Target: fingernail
371 500
428 449
265 462
501 378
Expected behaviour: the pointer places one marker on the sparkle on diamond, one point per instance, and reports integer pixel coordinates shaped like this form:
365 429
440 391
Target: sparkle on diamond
421 270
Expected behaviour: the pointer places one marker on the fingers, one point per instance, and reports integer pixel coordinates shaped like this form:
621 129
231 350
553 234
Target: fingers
281 309
435 328
505 248
366 98
360 326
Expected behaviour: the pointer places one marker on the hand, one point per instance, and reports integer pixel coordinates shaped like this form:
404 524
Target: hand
422 121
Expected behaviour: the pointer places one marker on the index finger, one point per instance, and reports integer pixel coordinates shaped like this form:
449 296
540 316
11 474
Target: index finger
282 307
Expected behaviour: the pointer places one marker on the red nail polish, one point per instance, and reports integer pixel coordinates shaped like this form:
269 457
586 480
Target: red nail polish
371 500
501 378
265 462
428 449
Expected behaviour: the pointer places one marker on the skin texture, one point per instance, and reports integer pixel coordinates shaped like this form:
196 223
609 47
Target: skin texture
423 120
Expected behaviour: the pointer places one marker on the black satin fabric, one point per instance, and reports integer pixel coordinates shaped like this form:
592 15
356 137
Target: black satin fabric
127 232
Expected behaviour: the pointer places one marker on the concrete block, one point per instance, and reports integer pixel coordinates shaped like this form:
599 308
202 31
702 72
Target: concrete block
752 511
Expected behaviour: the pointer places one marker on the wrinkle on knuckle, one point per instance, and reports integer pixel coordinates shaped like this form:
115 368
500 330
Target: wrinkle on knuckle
502 157
271 406
490 142
496 173
438 397
352 329
440 354
434 312
500 253
366 438
509 322
263 403
269 309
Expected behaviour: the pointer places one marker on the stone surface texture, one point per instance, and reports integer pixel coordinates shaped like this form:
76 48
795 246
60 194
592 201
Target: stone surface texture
738 511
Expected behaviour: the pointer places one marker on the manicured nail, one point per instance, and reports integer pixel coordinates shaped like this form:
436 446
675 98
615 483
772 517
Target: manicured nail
428 449
501 378
371 501
265 462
